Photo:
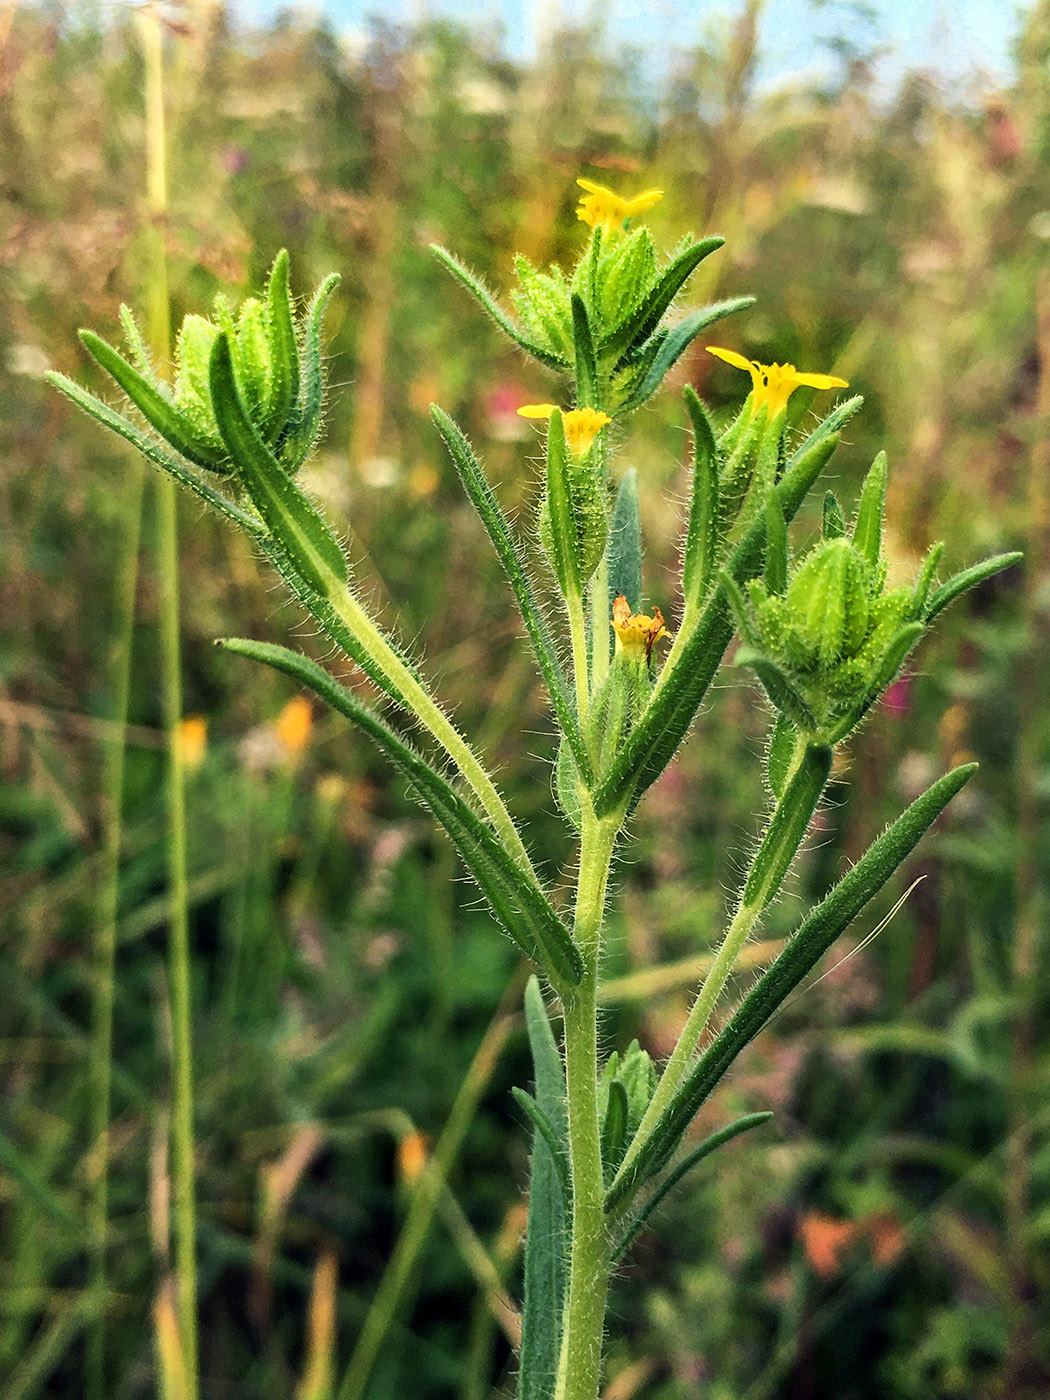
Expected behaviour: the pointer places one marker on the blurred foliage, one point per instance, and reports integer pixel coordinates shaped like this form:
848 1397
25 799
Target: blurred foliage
889 1235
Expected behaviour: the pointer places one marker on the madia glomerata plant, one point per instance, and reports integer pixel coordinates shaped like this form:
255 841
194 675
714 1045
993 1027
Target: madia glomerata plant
820 629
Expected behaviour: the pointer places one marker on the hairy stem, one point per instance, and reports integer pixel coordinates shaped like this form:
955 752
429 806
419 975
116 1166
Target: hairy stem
579 1369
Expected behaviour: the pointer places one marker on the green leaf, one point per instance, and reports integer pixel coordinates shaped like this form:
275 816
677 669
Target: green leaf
614 1129
834 523
969 578
133 336
174 466
867 531
923 584
780 753
783 696
588 387
804 950
306 420
640 327
484 501
520 907
485 298
161 415
832 424
709 1145
565 544
664 350
670 712
565 789
625 544
788 826
548 1133
283 349
302 532
701 536
545 1239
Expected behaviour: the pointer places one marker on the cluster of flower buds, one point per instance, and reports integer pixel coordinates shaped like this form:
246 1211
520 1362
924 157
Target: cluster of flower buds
246 404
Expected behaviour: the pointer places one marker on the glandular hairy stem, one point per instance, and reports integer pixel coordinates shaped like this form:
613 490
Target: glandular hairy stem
579 1368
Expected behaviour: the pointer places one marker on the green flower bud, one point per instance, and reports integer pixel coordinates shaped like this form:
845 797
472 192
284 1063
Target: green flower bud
826 613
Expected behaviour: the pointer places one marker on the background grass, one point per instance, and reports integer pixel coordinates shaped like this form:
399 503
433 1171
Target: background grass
888 1234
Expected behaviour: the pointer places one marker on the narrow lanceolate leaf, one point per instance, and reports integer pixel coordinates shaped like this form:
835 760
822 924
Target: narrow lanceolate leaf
811 941
547 1131
133 336
587 386
833 423
303 534
701 536
893 659
520 907
284 351
686 1165
150 449
648 316
154 407
969 578
788 826
306 418
545 1239
664 350
488 302
834 524
564 536
484 501
921 592
783 696
867 531
614 1129
670 712
625 544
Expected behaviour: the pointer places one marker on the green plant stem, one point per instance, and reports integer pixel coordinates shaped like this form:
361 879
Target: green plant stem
781 839
106 928
579 1369
400 1271
432 716
159 315
600 624
578 633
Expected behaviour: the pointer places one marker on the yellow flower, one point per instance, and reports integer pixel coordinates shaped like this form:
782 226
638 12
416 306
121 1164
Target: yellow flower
773 385
636 634
293 725
582 425
601 206
191 741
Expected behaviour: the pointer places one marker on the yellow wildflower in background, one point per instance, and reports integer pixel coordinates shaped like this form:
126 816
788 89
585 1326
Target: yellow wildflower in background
293 725
602 206
412 1154
191 741
636 633
582 425
773 385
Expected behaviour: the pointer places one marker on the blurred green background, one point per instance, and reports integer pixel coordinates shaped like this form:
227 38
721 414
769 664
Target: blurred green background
888 1235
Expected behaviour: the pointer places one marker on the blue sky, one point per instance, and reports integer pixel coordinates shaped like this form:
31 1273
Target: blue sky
956 41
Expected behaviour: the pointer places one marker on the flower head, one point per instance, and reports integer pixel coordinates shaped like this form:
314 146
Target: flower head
601 206
773 385
582 425
636 633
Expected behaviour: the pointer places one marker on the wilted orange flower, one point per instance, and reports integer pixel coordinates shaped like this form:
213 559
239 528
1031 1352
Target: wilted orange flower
636 633
411 1157
293 725
773 385
191 741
